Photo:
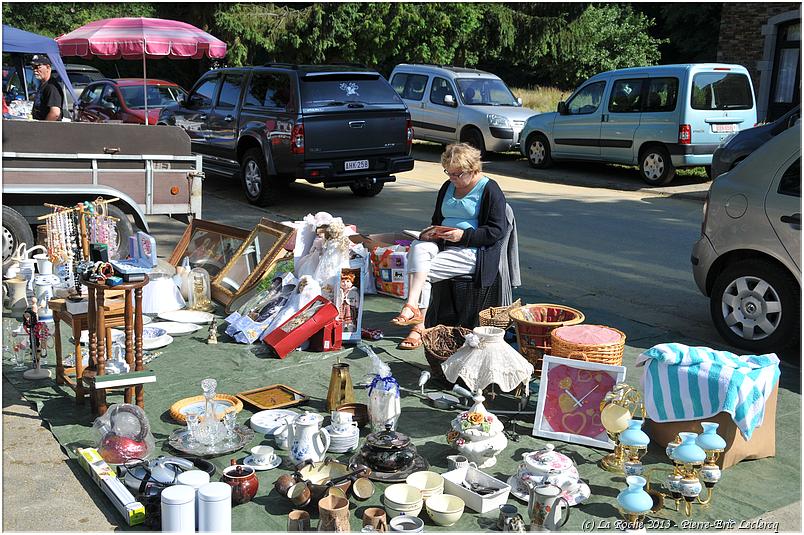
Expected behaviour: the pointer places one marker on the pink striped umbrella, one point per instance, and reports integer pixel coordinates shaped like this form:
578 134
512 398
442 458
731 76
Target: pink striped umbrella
140 38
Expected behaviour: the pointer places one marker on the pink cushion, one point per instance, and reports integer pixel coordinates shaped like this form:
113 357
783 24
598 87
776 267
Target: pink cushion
587 334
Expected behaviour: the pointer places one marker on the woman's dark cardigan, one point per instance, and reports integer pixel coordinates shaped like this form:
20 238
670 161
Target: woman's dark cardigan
487 237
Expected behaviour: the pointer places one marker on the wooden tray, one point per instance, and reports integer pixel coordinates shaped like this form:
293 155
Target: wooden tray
273 397
177 413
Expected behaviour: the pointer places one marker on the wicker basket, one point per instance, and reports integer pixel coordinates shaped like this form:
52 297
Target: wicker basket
498 316
607 353
440 342
534 323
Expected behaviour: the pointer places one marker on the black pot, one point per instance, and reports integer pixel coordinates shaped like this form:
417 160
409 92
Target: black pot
388 451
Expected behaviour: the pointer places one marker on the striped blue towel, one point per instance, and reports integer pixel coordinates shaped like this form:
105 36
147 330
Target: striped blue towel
690 383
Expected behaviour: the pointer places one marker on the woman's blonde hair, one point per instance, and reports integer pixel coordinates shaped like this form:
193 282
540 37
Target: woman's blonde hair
461 156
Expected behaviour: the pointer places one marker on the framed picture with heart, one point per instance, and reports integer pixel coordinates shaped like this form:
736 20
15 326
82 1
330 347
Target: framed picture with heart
570 392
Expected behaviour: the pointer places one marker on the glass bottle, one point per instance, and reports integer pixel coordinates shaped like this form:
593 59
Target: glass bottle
209 426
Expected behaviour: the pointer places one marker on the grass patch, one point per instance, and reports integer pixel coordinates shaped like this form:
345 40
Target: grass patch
540 98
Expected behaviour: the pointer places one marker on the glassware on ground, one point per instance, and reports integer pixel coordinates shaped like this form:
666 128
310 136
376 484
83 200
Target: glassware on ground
193 422
230 421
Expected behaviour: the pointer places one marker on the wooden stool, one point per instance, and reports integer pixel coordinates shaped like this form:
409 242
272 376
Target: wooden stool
98 345
71 376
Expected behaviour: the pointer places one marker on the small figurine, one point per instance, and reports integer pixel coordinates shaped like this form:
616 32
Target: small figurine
213 332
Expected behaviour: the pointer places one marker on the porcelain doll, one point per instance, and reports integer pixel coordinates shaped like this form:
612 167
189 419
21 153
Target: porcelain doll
350 302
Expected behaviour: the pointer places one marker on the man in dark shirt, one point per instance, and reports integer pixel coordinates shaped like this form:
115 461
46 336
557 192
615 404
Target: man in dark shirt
48 101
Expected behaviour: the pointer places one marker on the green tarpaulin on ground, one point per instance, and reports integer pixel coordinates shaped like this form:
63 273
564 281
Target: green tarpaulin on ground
746 491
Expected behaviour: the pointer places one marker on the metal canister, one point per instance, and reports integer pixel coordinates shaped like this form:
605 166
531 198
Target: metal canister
178 509
215 507
195 479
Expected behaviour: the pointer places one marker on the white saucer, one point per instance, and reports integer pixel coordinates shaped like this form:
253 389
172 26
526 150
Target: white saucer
270 420
175 328
156 343
573 499
249 461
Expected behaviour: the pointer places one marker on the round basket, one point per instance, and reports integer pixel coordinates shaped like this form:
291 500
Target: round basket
498 316
440 342
534 323
609 352
177 409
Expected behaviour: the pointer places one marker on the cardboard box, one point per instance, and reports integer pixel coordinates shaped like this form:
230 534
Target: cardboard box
388 261
313 317
133 511
329 338
761 445
370 241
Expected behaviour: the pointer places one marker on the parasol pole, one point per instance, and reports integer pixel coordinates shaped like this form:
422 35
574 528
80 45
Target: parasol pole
144 81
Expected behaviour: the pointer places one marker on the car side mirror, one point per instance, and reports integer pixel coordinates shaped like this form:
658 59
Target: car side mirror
195 101
519 101
562 108
449 100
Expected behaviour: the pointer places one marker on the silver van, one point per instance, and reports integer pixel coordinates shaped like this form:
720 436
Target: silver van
660 118
456 104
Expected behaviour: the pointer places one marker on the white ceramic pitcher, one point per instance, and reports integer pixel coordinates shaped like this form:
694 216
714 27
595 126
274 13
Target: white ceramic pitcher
547 508
306 440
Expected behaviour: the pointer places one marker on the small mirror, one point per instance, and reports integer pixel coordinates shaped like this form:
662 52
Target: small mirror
519 101
208 245
263 246
449 100
195 101
562 108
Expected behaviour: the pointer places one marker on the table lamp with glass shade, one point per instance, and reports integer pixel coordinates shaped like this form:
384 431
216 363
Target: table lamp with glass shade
617 409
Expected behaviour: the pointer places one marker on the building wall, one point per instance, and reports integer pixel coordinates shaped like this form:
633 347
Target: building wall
744 37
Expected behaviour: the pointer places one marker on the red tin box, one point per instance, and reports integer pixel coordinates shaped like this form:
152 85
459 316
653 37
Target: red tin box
313 317
329 338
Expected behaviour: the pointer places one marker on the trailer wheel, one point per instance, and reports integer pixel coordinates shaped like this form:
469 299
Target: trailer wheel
16 230
124 229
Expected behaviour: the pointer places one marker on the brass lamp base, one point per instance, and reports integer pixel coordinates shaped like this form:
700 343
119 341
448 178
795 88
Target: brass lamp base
613 462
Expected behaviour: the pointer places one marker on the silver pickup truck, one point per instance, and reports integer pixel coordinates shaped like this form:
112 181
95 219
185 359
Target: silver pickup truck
150 170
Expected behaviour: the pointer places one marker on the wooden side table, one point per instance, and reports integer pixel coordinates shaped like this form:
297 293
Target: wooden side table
99 345
71 376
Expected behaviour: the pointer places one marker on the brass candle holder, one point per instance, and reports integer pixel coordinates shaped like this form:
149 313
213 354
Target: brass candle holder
616 410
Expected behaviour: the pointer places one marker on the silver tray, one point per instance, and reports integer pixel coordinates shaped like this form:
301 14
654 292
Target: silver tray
180 440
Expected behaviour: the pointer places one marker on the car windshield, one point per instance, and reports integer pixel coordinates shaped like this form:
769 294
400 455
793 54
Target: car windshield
158 95
84 77
344 90
485 92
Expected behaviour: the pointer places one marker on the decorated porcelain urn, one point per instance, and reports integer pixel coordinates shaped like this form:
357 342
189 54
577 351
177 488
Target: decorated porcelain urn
478 435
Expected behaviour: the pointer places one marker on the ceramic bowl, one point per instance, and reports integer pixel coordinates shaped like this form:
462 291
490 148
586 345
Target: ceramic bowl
363 488
445 509
393 512
403 494
429 483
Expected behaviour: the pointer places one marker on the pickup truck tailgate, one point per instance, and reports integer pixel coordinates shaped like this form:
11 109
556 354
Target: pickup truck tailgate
368 131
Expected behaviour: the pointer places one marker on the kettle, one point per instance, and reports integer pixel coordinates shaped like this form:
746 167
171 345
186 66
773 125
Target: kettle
306 440
148 478
340 387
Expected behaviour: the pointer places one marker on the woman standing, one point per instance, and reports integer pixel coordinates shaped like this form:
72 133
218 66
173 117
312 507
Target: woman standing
468 227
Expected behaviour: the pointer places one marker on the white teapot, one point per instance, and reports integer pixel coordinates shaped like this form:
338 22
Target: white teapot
547 466
306 440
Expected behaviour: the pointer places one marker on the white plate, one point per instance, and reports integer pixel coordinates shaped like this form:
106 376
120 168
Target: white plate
519 492
156 343
150 334
268 421
146 319
175 328
249 461
187 316
115 334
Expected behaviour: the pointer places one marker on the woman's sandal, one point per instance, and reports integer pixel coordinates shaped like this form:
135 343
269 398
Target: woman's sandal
410 342
413 320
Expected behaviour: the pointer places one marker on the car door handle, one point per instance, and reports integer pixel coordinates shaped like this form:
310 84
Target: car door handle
794 219
203 116
604 118
357 124
228 118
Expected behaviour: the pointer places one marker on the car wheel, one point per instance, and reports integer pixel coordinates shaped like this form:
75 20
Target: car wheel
363 190
539 151
755 306
16 230
125 229
474 137
260 188
655 166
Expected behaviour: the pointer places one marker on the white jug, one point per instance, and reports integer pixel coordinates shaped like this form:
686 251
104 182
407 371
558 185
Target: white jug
15 296
306 440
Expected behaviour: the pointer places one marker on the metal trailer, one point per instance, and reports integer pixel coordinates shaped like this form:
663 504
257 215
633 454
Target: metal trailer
150 170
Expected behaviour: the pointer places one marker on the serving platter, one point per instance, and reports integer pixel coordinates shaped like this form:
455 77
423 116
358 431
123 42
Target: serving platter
175 328
180 441
270 420
223 403
156 343
187 316
273 397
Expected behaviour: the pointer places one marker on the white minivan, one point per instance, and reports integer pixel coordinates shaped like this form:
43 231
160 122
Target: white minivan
659 118
455 104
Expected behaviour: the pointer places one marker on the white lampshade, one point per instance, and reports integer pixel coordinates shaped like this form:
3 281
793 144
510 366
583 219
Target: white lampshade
161 295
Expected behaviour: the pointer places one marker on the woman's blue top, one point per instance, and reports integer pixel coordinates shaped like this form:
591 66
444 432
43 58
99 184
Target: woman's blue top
463 213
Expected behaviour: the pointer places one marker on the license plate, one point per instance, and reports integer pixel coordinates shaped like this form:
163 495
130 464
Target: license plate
355 165
724 128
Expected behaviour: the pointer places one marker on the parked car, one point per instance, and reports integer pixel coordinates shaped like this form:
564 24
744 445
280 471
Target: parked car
82 75
736 147
748 258
455 104
339 125
123 100
660 118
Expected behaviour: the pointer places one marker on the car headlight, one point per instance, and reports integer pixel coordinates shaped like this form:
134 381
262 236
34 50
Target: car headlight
727 139
498 121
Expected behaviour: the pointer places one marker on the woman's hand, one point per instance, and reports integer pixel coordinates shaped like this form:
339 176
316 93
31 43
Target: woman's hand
454 235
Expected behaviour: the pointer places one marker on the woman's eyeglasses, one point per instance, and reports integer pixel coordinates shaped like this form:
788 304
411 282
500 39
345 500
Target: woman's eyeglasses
455 175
